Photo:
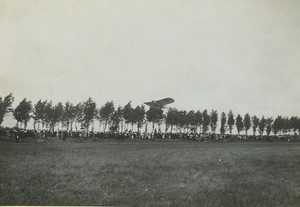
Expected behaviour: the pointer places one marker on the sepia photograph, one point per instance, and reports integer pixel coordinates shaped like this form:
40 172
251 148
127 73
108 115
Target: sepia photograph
150 103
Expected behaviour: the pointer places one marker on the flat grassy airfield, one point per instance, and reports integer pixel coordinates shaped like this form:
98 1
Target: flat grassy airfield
149 173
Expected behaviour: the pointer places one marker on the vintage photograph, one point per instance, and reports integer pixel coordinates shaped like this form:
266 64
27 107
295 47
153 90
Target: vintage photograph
150 103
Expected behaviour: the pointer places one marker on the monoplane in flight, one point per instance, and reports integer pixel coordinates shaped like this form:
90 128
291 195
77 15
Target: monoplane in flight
160 103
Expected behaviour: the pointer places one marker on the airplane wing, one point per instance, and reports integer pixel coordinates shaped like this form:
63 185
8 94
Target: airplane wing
165 101
149 103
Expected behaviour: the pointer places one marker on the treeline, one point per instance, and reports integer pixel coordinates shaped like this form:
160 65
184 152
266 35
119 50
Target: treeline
82 116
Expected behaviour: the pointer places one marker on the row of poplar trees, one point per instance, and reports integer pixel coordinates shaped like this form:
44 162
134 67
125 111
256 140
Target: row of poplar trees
47 115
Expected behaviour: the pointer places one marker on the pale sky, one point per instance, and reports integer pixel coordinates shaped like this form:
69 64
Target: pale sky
239 55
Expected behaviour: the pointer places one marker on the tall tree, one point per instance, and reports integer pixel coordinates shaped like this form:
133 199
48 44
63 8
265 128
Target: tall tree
286 127
298 125
48 114
105 112
17 113
128 114
230 121
89 112
139 114
79 115
213 120
223 123
68 115
277 125
262 125
247 123
199 119
191 121
59 109
206 121
5 106
39 113
22 112
239 124
293 124
133 117
182 120
255 123
269 122
171 118
154 115
116 118
55 115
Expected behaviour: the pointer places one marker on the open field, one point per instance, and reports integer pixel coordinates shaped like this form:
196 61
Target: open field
149 173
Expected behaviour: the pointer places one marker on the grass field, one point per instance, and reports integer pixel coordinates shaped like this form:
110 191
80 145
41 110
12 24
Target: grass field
149 173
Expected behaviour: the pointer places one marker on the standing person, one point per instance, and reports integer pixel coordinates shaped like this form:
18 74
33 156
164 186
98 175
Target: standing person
16 135
59 134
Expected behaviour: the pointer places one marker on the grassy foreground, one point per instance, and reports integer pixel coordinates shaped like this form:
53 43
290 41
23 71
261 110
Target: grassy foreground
149 173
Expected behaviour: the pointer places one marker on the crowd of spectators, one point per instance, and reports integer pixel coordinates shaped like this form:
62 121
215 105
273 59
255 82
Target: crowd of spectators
18 134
